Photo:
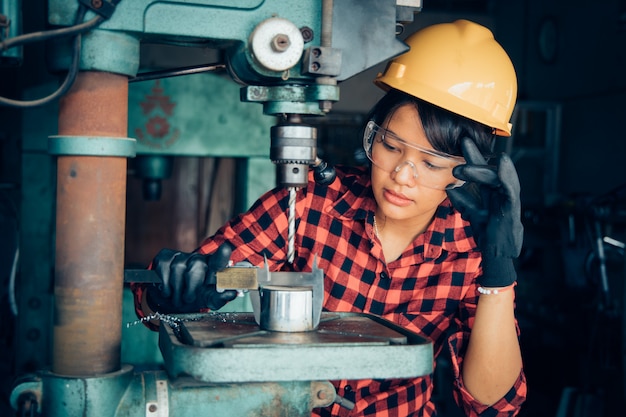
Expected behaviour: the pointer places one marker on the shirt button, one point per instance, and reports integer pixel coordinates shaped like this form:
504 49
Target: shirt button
383 275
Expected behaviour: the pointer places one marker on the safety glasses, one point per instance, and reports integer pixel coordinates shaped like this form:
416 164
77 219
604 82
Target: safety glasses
393 154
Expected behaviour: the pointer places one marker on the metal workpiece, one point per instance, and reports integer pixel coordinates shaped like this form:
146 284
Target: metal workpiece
231 347
287 281
286 309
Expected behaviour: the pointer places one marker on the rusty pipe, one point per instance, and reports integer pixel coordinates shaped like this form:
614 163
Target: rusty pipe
90 224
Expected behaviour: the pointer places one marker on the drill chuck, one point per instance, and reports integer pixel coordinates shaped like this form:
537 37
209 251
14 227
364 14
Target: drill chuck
293 149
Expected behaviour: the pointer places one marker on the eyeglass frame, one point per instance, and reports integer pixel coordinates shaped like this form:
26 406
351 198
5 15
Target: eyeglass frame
373 127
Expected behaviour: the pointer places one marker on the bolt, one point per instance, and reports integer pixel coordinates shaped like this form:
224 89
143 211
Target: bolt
321 394
96 3
316 52
315 66
152 408
326 105
255 93
280 43
307 34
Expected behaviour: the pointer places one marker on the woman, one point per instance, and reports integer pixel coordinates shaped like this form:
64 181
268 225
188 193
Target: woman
389 239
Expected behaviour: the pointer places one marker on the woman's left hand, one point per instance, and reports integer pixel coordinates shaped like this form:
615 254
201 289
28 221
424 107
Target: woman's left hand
494 213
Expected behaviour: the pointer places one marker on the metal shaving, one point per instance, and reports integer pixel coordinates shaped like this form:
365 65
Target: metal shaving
173 321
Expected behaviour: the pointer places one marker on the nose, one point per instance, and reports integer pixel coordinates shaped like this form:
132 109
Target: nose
408 176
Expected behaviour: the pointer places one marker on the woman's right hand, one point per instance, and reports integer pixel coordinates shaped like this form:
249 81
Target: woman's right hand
188 281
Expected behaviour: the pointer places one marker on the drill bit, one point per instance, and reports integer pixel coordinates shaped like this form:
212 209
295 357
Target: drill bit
291 234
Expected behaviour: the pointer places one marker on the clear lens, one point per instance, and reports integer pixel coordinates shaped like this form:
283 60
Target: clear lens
389 152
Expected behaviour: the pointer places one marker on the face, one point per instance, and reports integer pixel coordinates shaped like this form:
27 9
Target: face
399 195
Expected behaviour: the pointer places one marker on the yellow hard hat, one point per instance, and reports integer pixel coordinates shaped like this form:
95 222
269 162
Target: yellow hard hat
460 67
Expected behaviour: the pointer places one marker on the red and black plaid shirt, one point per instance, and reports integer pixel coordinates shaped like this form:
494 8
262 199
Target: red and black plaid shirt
430 289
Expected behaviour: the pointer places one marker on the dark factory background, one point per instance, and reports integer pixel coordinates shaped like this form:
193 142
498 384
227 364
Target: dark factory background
569 145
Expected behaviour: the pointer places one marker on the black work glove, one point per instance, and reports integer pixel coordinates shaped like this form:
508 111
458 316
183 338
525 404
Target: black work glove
494 212
188 281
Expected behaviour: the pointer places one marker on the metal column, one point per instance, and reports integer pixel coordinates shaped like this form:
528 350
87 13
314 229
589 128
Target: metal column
90 223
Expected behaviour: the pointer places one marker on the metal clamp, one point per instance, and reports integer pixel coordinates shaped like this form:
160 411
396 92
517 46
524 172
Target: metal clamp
92 146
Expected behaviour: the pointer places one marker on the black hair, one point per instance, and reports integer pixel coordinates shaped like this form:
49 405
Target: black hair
444 129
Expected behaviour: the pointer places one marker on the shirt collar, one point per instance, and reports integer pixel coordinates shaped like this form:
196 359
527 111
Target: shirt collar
447 232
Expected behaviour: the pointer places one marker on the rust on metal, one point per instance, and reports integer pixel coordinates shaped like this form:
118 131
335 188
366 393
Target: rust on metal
90 224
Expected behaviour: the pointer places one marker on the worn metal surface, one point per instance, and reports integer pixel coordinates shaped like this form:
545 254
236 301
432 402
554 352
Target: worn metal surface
90 223
98 54
126 393
345 346
101 50
196 115
365 32
295 99
95 396
92 146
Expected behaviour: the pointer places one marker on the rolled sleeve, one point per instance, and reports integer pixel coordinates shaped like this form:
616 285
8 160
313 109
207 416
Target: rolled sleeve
509 405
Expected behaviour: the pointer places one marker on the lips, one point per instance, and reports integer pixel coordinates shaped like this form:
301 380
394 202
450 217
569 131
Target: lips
397 198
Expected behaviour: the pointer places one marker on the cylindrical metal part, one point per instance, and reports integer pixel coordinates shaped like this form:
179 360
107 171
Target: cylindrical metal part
293 147
291 174
286 309
152 169
90 223
327 23
326 42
